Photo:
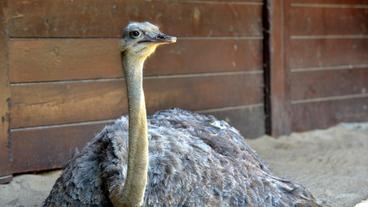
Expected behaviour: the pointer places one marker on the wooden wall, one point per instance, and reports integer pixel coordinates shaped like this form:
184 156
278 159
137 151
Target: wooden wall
272 66
66 80
323 69
328 62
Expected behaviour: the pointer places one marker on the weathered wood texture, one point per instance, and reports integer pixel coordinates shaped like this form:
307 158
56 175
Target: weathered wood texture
327 83
51 147
277 74
329 3
327 52
328 62
60 143
73 59
95 18
59 103
323 114
65 80
4 97
66 76
316 20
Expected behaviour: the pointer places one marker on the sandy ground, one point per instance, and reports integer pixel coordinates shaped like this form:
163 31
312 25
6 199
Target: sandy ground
332 163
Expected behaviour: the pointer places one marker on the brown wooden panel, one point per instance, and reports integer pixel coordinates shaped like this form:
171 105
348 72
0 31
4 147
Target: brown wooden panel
327 52
48 104
64 59
317 115
332 2
52 147
4 96
225 1
316 84
232 1
328 21
250 121
96 18
49 148
55 103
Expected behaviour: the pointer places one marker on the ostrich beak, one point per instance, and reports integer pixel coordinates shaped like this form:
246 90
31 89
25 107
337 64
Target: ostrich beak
165 39
158 38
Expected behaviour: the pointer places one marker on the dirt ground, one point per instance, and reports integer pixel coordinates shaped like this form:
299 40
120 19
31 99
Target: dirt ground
332 163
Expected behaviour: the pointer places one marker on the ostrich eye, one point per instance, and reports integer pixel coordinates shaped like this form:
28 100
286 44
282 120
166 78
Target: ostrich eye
134 34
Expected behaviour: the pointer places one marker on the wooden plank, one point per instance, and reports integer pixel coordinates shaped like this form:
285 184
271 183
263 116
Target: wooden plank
49 147
328 21
68 102
327 52
95 18
48 104
52 147
317 84
64 59
277 74
318 115
332 2
4 96
225 2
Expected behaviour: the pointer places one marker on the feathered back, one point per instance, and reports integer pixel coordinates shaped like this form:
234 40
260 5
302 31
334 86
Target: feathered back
195 160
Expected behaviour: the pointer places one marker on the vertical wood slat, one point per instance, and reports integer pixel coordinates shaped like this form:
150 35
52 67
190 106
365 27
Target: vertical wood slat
278 89
4 97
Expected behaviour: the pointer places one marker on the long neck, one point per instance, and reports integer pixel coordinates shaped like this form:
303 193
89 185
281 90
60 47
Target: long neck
136 180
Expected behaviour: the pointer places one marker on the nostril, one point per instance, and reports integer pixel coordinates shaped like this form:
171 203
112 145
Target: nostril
160 37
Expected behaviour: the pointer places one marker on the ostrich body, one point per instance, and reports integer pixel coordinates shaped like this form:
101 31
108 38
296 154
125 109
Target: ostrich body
173 158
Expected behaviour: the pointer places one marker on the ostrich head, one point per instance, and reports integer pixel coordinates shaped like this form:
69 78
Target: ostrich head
140 39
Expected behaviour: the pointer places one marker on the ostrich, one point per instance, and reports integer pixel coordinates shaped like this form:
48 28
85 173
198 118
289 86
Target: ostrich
173 158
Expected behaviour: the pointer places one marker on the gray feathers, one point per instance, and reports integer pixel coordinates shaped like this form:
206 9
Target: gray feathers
195 160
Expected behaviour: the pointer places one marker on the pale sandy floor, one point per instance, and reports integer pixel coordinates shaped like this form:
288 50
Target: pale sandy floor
332 163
